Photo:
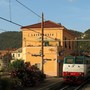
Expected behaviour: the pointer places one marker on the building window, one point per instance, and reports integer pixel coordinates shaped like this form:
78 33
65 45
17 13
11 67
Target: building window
31 35
58 43
45 34
38 35
50 34
65 43
13 55
18 55
46 43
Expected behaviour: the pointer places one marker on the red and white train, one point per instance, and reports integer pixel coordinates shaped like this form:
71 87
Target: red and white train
76 68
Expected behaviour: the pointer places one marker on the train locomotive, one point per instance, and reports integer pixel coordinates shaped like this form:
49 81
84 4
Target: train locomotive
76 68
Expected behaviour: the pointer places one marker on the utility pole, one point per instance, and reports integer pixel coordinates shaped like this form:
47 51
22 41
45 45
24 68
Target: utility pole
42 47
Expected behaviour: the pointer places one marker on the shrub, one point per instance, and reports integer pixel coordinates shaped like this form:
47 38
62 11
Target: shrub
29 76
10 84
16 84
17 64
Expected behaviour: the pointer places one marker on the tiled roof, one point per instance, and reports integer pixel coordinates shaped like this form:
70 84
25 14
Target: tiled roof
47 24
18 51
3 52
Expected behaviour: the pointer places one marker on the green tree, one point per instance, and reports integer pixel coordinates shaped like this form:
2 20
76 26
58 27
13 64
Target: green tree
17 64
10 40
7 57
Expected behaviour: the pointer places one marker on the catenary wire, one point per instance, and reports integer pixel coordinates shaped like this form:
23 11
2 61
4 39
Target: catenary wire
34 13
28 9
34 30
21 25
10 10
3 30
10 21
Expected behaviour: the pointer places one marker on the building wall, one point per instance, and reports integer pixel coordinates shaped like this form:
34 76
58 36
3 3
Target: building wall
50 59
54 52
31 38
69 40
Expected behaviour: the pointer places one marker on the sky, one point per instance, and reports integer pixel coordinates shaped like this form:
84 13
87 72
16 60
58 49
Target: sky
73 14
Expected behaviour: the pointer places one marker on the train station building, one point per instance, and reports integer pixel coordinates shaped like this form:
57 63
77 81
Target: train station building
58 42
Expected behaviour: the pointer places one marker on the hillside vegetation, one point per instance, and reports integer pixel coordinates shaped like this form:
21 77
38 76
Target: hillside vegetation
10 40
13 39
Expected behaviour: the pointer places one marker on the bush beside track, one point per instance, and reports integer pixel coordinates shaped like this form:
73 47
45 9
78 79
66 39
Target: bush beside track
22 75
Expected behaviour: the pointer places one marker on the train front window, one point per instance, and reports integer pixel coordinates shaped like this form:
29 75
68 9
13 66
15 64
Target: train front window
69 61
78 61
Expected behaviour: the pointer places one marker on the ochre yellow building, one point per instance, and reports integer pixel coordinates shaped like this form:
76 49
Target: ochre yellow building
58 42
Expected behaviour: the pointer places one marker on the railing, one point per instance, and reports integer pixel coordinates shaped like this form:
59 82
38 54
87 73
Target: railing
40 45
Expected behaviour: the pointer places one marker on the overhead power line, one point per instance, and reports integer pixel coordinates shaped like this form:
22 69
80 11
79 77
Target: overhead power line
27 28
10 21
29 9
10 10
22 26
3 30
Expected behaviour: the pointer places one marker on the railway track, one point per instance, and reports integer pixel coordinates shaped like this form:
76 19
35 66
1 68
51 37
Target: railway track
73 87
